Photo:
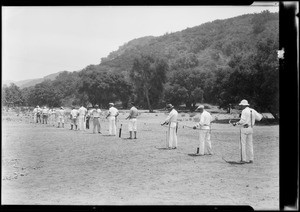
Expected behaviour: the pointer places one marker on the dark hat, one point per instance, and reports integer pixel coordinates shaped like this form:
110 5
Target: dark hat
169 106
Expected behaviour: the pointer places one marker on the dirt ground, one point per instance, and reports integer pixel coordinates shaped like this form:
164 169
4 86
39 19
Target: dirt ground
45 165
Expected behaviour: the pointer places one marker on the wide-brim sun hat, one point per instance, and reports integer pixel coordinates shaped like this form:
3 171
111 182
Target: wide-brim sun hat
96 105
112 104
200 107
244 102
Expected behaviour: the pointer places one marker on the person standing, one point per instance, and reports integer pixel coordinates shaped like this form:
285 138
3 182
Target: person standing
81 118
132 124
74 118
95 114
38 114
35 112
204 132
172 122
61 117
45 113
112 115
87 121
247 123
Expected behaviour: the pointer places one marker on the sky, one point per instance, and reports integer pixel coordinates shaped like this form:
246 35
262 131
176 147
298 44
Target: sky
38 41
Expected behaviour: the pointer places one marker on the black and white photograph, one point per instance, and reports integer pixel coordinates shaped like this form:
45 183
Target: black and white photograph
141 105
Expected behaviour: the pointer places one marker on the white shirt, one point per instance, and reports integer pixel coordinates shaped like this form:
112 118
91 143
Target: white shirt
96 113
82 111
172 117
133 113
35 110
205 119
246 117
113 111
61 112
45 111
74 113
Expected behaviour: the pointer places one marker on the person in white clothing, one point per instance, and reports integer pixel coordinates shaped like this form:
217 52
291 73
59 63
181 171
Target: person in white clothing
112 115
132 124
45 113
95 115
247 122
74 118
81 118
35 111
60 117
204 132
171 121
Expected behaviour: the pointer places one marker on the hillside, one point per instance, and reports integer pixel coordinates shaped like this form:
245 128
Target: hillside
32 82
213 44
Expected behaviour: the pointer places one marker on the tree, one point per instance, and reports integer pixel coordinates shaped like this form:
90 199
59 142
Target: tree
104 87
45 93
186 87
148 74
12 95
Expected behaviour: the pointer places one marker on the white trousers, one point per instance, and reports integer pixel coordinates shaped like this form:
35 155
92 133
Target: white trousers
34 117
112 125
246 144
81 122
60 119
204 142
172 136
132 125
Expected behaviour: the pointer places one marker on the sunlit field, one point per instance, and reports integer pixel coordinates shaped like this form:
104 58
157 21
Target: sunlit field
46 165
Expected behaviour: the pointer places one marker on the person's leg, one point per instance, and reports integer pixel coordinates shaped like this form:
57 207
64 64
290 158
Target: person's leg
201 142
249 147
243 146
130 128
208 143
63 122
110 125
94 125
135 128
98 125
114 126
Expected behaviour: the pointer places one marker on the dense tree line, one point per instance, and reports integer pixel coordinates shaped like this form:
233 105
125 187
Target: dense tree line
220 62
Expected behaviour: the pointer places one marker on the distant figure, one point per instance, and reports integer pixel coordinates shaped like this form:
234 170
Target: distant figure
45 113
87 120
61 117
52 116
204 132
35 112
74 118
38 114
132 124
81 118
247 123
172 122
96 113
112 115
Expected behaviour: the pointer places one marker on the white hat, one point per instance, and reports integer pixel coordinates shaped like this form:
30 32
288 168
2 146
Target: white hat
244 102
200 106
112 104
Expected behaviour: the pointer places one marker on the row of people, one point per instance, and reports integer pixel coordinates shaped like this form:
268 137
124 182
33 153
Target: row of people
246 122
80 118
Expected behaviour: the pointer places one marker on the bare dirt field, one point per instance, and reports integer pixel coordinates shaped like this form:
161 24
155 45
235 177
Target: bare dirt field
45 165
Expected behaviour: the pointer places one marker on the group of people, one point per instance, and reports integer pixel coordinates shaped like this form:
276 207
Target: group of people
80 119
45 115
246 122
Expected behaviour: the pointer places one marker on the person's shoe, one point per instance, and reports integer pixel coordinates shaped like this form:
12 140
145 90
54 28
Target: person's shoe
242 161
135 138
100 132
250 161
174 147
129 138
